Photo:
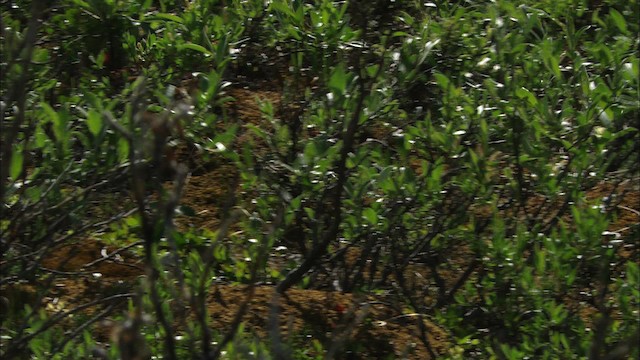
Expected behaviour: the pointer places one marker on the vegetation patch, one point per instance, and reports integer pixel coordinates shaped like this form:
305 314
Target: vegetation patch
320 179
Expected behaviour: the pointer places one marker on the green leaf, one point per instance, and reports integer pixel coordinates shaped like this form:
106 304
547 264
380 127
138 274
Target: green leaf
523 93
295 203
94 122
83 4
633 273
618 20
310 151
195 47
40 137
40 55
220 253
372 70
206 39
17 161
427 50
310 213
51 114
222 52
281 7
338 80
370 215
474 160
442 80
34 193
166 16
123 150
554 65
294 32
132 221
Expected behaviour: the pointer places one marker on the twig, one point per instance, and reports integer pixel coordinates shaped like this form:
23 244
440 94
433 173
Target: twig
112 254
17 345
81 328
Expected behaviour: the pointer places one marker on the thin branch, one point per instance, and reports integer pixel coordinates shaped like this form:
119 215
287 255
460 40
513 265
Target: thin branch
18 344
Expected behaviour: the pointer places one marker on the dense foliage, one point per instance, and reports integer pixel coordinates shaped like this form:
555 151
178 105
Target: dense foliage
407 131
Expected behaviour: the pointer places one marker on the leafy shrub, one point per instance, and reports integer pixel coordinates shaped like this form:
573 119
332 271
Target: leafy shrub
406 136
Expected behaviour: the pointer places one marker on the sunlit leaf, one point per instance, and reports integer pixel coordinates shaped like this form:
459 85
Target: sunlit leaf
618 20
370 215
40 137
17 160
195 47
442 80
294 32
132 221
166 16
94 122
372 70
123 150
523 93
310 213
310 151
50 112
